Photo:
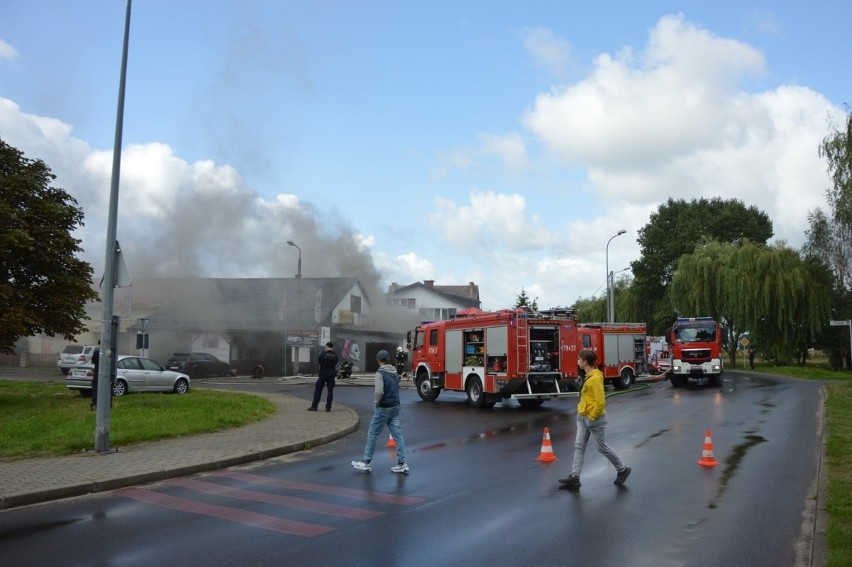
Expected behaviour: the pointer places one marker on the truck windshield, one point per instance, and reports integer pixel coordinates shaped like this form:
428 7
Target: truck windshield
696 333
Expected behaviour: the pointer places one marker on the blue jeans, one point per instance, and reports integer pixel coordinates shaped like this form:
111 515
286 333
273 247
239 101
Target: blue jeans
586 427
382 417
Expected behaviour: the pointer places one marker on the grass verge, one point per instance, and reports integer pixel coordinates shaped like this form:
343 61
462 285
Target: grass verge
838 416
40 419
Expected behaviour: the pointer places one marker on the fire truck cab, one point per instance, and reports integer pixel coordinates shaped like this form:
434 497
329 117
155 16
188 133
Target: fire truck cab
696 346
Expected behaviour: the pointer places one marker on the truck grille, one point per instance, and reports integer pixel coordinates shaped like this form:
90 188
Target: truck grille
696 355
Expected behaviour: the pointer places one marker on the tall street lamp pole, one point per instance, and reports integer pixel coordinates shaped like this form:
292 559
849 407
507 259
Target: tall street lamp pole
295 359
609 311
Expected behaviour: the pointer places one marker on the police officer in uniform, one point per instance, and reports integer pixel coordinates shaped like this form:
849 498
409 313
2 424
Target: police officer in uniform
327 373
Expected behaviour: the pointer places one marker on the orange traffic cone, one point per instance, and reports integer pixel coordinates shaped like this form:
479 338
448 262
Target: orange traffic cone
707 459
391 442
546 455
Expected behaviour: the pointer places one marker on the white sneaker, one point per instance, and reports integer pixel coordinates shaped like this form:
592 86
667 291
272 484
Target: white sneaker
403 468
362 466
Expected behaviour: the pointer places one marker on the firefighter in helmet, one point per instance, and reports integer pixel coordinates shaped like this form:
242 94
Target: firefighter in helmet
401 358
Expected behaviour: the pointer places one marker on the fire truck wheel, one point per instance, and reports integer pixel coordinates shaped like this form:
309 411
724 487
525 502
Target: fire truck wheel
425 389
475 395
624 380
531 403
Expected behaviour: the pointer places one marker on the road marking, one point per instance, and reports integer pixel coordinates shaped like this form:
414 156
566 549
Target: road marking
226 513
321 488
279 499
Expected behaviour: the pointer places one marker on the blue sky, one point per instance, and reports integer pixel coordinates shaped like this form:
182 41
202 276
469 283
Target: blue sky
495 142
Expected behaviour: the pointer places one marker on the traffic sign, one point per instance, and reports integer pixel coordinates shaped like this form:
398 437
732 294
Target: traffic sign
744 341
839 323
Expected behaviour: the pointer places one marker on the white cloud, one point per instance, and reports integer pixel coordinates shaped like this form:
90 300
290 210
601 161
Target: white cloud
491 219
671 122
7 51
548 50
510 148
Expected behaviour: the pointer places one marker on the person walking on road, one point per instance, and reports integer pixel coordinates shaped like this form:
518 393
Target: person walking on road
327 373
386 400
591 420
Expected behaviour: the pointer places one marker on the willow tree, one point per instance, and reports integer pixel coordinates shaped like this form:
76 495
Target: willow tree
768 292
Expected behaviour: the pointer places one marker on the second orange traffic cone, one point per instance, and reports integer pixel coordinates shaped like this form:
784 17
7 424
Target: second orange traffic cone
707 458
391 442
546 453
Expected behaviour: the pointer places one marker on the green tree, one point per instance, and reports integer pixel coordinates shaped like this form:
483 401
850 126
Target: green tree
523 300
829 237
767 291
676 229
43 286
591 309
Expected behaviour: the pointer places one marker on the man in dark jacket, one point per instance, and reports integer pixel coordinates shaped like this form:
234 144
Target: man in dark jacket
327 373
386 400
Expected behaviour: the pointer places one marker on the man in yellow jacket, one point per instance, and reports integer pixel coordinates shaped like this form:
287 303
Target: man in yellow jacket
591 420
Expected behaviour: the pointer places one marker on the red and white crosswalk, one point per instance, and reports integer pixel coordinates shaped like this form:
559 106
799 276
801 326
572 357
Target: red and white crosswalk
266 521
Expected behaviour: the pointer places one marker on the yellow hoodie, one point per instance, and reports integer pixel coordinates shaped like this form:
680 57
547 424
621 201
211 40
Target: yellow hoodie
592 401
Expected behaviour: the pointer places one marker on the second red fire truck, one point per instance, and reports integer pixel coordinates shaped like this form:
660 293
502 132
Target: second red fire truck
512 353
696 347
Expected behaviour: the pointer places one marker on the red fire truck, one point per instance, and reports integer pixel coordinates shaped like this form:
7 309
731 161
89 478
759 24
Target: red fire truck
696 347
515 354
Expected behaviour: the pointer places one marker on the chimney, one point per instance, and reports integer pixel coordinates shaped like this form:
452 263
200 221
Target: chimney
430 284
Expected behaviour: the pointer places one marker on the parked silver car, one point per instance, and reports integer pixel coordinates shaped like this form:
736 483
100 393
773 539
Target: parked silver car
132 374
72 355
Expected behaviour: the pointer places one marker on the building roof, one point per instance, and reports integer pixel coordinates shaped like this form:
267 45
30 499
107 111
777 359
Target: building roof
468 294
242 304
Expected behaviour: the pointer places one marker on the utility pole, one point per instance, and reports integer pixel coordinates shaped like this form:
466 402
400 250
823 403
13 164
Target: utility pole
111 263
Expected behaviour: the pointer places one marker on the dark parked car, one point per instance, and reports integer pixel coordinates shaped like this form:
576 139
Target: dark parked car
197 364
132 374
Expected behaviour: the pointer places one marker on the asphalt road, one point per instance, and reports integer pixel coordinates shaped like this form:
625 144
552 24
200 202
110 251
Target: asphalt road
477 495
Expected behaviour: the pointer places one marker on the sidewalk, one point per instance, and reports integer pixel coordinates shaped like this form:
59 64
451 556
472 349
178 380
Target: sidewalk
289 430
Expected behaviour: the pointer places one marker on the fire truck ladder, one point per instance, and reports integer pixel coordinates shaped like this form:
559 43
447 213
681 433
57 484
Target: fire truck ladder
522 348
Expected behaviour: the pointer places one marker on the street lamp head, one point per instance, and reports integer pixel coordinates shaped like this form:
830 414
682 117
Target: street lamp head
291 243
620 232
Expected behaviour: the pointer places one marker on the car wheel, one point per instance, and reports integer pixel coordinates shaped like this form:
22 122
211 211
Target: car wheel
181 386
119 388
